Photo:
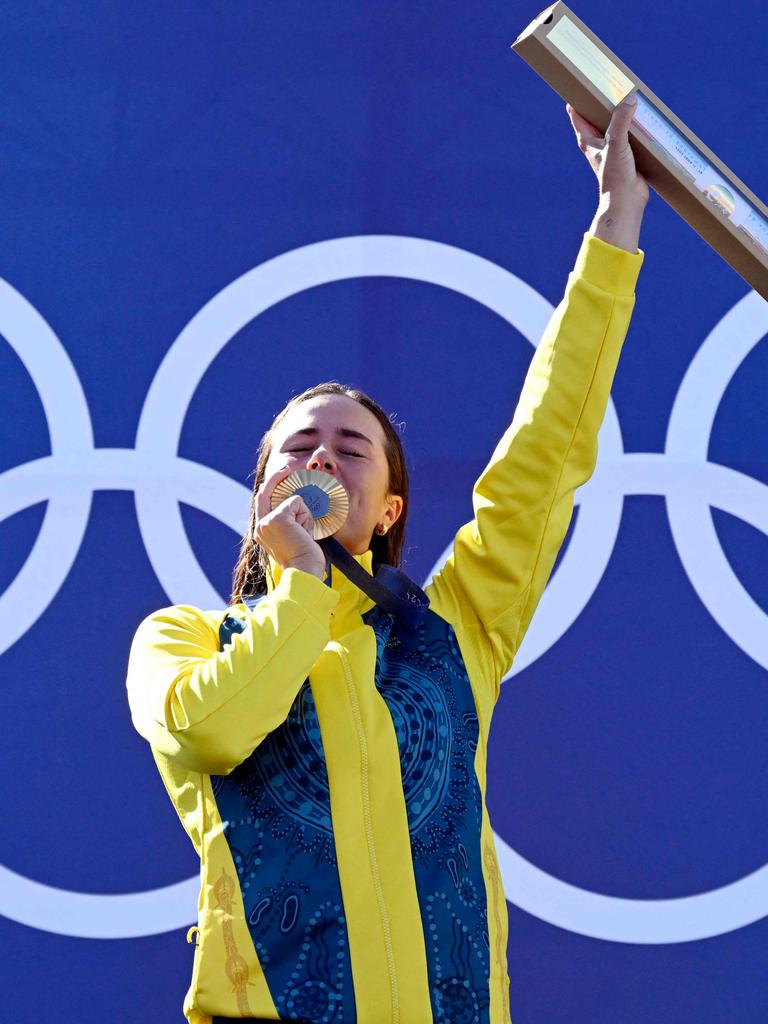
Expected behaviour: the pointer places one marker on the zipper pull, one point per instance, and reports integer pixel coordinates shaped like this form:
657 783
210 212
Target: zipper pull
190 940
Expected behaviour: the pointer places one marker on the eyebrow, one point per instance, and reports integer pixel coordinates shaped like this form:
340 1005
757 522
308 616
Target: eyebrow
341 431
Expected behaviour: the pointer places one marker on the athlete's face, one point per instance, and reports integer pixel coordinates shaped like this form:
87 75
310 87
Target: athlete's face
337 435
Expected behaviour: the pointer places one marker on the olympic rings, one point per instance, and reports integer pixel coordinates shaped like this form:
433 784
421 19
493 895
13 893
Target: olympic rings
161 479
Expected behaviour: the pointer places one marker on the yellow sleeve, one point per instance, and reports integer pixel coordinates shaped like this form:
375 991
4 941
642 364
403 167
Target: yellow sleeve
208 709
523 500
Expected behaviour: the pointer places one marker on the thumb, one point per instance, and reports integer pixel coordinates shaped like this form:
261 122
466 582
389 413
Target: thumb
621 118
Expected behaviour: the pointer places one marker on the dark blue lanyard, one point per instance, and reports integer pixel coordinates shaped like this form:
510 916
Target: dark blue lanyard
390 588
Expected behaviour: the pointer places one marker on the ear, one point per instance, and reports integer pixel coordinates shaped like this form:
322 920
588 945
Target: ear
393 510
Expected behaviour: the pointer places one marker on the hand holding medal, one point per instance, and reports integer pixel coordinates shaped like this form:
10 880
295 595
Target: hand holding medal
309 502
294 512
324 496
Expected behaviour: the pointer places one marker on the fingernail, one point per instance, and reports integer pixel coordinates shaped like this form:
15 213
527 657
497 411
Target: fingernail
631 100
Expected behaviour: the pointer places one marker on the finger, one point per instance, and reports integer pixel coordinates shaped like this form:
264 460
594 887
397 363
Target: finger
308 523
581 124
264 495
621 118
586 134
296 506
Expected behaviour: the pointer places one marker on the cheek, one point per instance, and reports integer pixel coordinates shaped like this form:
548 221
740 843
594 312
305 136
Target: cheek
359 482
291 460
369 487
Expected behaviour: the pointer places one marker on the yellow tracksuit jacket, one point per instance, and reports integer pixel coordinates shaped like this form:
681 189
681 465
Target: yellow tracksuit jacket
329 765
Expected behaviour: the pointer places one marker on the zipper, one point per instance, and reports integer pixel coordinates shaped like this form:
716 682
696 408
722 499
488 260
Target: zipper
369 834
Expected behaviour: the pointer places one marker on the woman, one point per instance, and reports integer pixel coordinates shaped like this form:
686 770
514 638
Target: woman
327 760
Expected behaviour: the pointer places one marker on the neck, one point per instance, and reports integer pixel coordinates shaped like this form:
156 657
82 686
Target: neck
338 579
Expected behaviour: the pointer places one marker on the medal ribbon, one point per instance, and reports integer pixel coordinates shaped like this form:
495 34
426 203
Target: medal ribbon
390 588
327 500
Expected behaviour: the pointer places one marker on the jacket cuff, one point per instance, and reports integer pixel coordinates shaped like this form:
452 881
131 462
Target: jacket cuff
312 594
607 266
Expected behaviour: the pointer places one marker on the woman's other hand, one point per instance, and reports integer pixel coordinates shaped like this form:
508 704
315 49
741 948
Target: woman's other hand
623 191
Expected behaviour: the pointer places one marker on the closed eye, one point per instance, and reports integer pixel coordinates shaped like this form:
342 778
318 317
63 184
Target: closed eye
357 455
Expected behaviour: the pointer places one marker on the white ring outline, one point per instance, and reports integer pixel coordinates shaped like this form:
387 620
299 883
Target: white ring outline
69 427
688 435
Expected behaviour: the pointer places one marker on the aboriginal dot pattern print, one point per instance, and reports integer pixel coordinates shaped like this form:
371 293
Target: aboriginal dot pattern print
276 812
420 674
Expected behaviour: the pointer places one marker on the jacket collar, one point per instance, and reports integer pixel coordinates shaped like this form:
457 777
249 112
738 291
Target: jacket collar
352 600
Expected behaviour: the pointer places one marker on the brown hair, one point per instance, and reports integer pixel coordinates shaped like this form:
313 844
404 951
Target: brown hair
250 574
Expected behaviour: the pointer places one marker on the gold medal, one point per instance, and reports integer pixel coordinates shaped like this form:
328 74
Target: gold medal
323 495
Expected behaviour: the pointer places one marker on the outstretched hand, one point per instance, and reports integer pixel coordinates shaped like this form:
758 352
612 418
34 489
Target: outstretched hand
610 156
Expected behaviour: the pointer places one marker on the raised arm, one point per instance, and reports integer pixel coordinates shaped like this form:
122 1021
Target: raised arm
523 500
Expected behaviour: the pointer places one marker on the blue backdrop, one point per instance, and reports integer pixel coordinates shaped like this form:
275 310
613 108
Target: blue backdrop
154 154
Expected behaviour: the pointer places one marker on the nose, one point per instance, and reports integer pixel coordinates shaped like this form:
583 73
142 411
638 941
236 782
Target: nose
322 460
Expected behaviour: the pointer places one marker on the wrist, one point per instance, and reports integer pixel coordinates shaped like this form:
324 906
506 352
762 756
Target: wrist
618 219
627 202
313 568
